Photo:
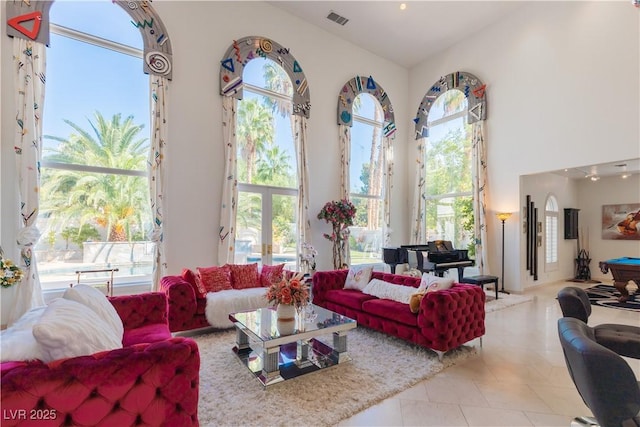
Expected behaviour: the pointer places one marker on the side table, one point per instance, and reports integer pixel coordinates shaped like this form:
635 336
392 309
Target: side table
481 281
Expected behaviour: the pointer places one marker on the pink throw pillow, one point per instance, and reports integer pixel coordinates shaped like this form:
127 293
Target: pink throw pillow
244 276
213 279
271 274
190 277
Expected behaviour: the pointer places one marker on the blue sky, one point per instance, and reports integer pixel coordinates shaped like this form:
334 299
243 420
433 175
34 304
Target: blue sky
82 78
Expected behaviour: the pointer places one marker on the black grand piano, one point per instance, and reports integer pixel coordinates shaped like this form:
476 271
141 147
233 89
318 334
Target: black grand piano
440 257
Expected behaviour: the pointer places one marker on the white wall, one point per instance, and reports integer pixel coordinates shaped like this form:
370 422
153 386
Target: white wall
562 90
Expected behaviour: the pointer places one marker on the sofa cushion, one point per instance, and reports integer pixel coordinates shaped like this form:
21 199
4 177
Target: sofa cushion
348 298
358 277
434 283
244 276
381 289
98 302
17 342
153 332
391 310
70 329
190 277
271 274
213 279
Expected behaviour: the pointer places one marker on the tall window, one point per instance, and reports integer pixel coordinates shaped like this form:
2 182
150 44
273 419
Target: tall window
94 198
266 227
551 234
366 180
448 160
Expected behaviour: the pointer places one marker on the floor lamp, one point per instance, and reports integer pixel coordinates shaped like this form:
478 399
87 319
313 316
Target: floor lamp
503 216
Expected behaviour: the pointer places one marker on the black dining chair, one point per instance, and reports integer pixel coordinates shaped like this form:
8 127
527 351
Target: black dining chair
605 381
623 339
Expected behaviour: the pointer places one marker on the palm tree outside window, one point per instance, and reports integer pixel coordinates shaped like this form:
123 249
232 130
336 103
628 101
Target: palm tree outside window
95 198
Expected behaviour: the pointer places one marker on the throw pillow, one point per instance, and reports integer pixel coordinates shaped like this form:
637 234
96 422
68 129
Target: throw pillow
17 343
70 329
440 282
244 276
395 292
98 302
213 279
271 274
358 277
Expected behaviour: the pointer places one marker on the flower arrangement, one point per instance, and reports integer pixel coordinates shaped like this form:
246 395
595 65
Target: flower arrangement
340 214
11 273
308 257
292 291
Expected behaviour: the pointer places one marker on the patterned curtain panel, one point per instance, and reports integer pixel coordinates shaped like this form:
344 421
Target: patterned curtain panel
300 141
388 186
419 229
344 139
159 101
479 192
30 63
226 245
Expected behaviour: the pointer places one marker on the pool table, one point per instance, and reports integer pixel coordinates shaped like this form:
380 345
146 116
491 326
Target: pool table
623 269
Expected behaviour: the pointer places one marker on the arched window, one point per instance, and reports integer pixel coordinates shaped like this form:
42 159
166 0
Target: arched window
366 170
551 233
448 178
94 196
266 226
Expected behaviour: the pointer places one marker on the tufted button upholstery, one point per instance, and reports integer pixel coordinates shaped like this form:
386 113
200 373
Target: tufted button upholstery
149 383
446 319
186 311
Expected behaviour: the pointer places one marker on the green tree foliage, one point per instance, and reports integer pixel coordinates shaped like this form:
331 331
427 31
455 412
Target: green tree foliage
119 204
254 131
80 235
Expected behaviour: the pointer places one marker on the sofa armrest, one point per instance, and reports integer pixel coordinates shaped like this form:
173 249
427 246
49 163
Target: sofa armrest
324 281
181 299
152 384
141 309
452 317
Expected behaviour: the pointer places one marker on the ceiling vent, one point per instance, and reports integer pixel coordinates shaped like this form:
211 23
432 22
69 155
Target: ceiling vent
332 16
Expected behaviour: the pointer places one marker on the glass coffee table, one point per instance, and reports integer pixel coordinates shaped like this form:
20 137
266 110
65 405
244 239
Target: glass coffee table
276 351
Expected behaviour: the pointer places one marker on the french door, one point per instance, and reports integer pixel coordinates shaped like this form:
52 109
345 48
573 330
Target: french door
266 225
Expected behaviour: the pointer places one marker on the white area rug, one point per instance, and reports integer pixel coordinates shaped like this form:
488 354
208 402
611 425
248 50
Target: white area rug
382 366
503 301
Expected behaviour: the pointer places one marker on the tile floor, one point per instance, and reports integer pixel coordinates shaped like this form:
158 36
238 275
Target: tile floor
519 377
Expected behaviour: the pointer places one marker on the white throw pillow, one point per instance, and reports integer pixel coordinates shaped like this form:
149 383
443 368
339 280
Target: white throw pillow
358 277
70 329
98 302
386 290
17 343
434 283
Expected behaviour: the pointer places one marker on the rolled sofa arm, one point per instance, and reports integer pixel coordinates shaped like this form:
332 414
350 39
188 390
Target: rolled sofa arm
145 384
324 281
182 301
452 317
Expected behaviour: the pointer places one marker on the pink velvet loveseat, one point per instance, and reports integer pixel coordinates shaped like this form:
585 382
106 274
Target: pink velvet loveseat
153 380
446 319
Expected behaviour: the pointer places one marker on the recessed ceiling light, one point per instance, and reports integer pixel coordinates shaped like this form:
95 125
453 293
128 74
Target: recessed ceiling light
595 178
403 6
625 176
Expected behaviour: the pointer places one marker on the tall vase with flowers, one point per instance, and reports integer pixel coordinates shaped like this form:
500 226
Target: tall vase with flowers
292 293
308 258
340 214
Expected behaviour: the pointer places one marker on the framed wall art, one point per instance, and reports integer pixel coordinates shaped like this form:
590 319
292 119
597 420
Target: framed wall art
621 222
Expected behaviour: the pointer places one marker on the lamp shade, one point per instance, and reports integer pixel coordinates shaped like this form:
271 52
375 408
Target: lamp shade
503 216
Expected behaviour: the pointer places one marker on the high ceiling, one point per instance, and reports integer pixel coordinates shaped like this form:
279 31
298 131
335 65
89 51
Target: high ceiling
406 37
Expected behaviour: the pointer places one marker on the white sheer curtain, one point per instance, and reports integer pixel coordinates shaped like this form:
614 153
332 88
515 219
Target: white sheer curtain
159 101
30 64
304 224
228 207
419 228
388 187
479 192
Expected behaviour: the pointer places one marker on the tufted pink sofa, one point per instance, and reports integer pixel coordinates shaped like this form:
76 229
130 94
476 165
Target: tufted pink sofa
186 310
151 381
446 319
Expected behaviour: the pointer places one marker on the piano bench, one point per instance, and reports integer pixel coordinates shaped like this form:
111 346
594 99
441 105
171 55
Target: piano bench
481 281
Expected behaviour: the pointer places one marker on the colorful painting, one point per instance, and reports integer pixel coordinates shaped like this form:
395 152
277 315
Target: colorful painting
621 222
